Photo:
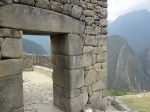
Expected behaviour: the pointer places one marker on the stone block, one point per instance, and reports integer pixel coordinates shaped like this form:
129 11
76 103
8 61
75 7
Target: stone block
1 41
71 105
97 65
69 62
102 84
104 30
67 9
70 44
10 33
104 12
104 92
68 79
45 4
102 40
102 74
87 60
104 22
95 96
28 2
89 90
97 50
100 104
10 67
102 57
104 48
94 58
90 77
67 93
88 13
89 21
55 6
19 110
38 21
6 1
91 40
11 93
61 1
104 65
87 49
76 12
11 48
90 30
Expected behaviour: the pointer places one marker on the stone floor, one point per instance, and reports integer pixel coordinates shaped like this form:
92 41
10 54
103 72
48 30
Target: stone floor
38 93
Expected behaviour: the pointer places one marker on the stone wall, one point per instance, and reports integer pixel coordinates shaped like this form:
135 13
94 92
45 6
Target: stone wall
11 86
30 60
78 42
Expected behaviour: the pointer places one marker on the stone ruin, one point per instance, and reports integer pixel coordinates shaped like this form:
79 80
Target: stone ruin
78 30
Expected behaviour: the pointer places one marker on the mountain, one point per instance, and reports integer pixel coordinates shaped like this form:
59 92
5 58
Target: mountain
124 69
44 41
32 47
134 27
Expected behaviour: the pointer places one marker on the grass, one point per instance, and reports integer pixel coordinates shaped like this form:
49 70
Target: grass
137 103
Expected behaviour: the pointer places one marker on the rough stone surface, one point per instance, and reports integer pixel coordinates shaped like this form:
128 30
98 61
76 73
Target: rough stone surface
28 2
10 33
102 57
90 77
11 89
91 40
70 44
68 105
58 7
43 4
87 59
69 62
95 95
67 9
69 79
11 48
38 20
87 49
102 84
10 67
7 1
76 11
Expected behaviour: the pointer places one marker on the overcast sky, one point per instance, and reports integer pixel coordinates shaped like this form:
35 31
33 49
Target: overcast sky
120 7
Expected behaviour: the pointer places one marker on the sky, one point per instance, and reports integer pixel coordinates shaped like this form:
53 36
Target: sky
121 7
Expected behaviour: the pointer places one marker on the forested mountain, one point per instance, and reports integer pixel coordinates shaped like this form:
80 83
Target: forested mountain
32 47
125 72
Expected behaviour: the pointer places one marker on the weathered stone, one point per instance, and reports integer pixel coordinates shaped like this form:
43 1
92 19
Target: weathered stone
89 20
90 6
10 67
98 70
76 11
102 40
69 79
88 107
21 109
6 1
102 57
88 68
104 65
43 4
69 62
97 50
104 30
87 59
97 65
11 93
103 4
90 90
11 48
94 58
87 49
104 48
100 104
68 105
88 13
10 33
97 9
75 2
55 6
95 96
67 93
103 22
90 30
16 1
83 89
83 5
102 74
1 3
91 40
104 92
61 1
104 12
94 1
102 84
1 41
90 77
27 2
98 30
37 20
70 44
67 9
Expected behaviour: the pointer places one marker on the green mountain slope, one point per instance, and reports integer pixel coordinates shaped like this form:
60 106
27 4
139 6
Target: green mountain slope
124 69
31 47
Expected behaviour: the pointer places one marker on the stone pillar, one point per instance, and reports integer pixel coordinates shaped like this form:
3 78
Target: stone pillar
68 73
11 82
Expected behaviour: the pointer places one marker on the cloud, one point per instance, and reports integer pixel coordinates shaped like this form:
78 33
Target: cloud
120 7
